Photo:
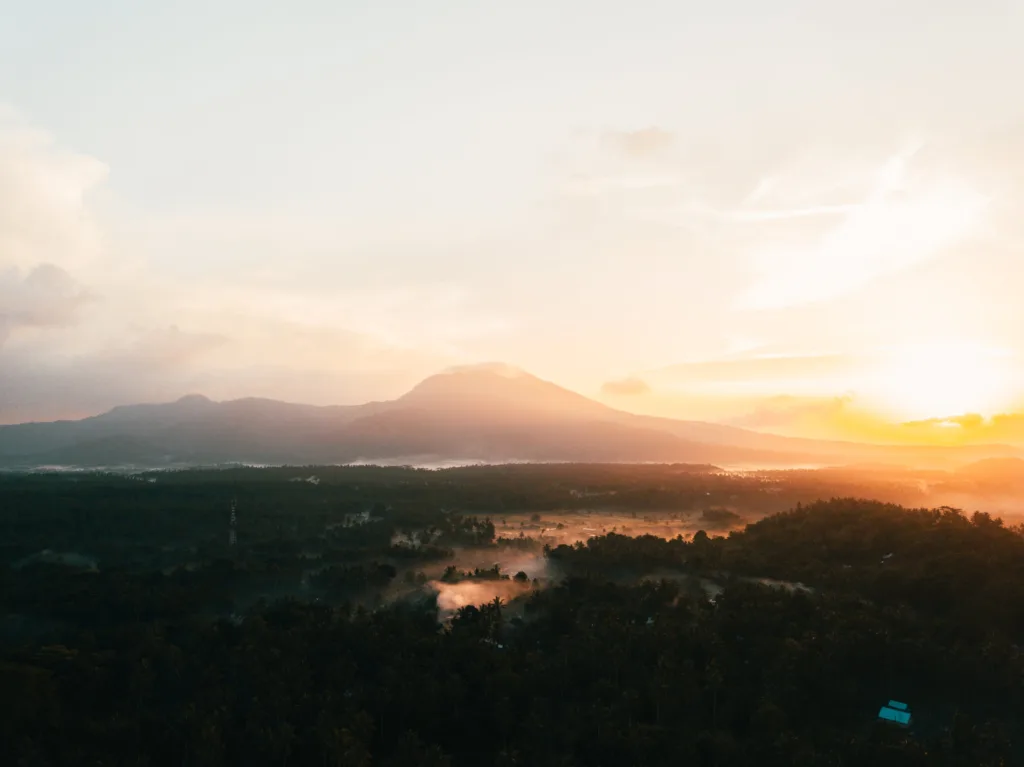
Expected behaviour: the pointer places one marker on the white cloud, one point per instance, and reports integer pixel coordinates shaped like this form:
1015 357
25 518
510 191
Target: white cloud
905 219
51 244
291 319
44 214
45 297
640 143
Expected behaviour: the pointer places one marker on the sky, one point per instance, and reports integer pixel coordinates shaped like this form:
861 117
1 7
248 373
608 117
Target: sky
796 216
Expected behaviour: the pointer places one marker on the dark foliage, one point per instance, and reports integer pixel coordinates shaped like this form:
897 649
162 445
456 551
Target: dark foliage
176 650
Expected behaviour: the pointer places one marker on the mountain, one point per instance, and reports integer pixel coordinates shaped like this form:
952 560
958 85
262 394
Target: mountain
493 389
490 412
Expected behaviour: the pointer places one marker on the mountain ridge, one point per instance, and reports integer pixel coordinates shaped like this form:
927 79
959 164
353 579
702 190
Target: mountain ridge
488 413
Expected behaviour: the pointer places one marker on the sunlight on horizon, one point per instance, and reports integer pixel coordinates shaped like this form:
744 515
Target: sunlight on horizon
942 379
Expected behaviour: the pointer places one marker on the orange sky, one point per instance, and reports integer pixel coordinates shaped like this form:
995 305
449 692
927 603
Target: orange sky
793 218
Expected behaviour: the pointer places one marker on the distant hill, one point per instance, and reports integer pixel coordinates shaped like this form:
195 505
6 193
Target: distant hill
490 413
995 469
105 451
992 476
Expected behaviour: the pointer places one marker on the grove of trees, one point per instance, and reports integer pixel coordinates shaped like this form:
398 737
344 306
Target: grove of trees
317 639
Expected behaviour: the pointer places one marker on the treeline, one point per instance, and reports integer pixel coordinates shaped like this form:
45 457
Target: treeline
104 512
967 569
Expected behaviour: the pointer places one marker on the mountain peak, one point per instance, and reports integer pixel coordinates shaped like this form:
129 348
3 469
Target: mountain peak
488 368
194 399
188 404
497 388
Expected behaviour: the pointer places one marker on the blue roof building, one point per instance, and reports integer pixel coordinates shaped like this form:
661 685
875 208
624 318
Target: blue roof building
895 712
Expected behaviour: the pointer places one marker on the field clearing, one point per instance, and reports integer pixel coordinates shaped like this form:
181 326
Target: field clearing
568 527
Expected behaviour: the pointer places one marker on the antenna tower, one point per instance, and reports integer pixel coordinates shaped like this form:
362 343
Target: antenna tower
233 531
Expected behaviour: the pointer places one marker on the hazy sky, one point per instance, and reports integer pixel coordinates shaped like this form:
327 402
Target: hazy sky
701 205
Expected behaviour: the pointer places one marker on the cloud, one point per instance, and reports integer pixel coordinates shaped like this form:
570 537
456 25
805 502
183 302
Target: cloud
159 350
847 418
795 415
761 371
835 418
1007 426
144 365
906 217
970 421
970 428
790 213
625 387
51 241
583 185
618 166
164 363
230 305
640 143
44 189
45 297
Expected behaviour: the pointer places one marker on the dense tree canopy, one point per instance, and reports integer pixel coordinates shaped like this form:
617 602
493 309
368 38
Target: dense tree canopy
318 639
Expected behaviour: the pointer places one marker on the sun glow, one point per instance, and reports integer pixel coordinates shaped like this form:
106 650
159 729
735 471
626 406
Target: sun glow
938 380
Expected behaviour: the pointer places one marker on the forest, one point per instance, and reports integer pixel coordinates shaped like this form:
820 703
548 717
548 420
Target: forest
369 616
